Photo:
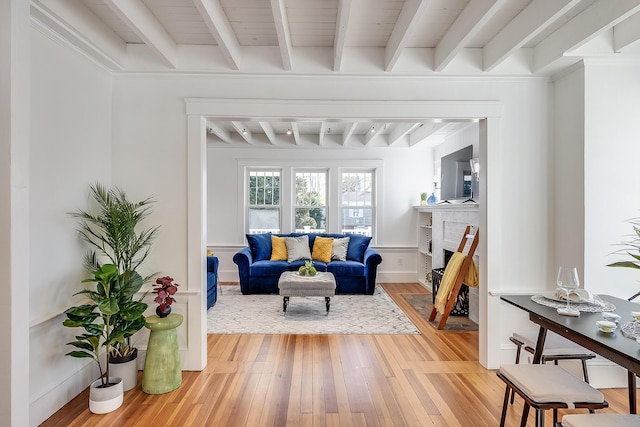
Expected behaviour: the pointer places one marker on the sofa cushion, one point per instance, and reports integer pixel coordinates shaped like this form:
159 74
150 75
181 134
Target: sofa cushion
346 268
339 249
322 249
278 249
260 245
358 244
268 268
297 248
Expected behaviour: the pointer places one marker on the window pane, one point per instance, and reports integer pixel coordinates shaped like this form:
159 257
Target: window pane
356 199
356 189
358 220
311 188
264 220
263 210
310 211
313 218
264 188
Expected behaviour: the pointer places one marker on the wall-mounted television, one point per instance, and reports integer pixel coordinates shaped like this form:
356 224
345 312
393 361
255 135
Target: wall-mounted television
456 180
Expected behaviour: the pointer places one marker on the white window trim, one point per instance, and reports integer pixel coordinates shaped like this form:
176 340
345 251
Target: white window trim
334 167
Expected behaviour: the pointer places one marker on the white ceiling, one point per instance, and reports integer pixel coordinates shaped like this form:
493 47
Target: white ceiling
343 37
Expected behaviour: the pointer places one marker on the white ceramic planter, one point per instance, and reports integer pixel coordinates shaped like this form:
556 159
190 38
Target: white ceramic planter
125 368
107 399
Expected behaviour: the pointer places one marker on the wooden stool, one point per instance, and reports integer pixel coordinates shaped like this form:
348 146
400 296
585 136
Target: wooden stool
547 387
162 367
556 348
601 420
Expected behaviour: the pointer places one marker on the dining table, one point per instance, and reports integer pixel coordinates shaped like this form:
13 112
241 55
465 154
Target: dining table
621 349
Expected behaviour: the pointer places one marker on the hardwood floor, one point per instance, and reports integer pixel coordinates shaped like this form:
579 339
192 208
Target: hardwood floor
327 380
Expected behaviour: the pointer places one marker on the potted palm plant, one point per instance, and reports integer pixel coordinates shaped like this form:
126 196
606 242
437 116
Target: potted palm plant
99 319
113 236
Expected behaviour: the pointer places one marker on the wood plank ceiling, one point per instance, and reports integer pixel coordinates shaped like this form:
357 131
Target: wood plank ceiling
343 37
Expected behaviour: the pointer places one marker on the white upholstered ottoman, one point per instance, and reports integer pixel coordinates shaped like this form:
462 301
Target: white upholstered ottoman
291 284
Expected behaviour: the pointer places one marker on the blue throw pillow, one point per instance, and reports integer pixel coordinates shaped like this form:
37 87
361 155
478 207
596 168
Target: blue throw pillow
358 244
260 245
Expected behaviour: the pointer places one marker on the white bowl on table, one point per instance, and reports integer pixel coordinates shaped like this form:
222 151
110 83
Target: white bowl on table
606 326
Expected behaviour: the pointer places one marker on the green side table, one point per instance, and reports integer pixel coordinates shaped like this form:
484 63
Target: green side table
162 367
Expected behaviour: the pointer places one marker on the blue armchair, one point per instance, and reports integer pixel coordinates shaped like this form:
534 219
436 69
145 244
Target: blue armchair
212 280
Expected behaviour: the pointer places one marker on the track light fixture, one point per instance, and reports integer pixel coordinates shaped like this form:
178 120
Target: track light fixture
288 131
244 131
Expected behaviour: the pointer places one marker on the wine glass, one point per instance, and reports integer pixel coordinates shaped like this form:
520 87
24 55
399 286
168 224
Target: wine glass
568 281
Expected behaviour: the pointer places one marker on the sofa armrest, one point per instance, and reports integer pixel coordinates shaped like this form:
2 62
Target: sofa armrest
212 264
212 280
371 256
371 261
244 260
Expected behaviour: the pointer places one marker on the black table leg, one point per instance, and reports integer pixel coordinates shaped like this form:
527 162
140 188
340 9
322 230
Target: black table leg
327 301
631 377
537 357
285 302
542 335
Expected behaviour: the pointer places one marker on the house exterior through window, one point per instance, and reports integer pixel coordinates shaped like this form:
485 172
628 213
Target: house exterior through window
357 202
310 210
263 204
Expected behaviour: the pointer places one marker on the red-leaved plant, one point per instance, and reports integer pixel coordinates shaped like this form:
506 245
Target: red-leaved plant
165 288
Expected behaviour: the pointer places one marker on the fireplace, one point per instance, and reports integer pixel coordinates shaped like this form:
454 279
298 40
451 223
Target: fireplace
461 306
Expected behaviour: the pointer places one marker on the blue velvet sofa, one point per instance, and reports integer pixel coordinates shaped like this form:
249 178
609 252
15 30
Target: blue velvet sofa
212 280
259 275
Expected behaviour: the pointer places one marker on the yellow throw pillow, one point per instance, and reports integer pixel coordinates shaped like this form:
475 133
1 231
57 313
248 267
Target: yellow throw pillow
278 249
322 248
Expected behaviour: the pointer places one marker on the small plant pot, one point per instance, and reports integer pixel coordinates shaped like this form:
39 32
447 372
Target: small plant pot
163 311
125 367
103 400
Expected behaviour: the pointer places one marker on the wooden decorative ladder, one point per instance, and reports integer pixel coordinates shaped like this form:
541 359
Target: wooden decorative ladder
461 275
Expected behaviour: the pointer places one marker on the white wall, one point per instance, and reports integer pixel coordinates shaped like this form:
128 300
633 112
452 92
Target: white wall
612 175
405 174
597 180
70 139
569 170
596 173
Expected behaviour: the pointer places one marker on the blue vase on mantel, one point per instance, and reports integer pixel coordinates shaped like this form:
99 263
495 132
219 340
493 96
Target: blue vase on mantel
432 199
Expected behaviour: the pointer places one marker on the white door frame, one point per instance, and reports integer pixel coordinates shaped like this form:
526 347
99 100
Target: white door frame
198 110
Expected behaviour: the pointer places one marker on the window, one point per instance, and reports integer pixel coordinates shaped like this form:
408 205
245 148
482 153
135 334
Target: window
306 195
356 202
310 210
263 204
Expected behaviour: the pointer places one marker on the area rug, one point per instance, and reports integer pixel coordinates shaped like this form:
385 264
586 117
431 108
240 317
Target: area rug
235 313
422 303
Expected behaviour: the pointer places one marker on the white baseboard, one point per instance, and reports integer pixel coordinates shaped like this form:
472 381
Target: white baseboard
50 402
